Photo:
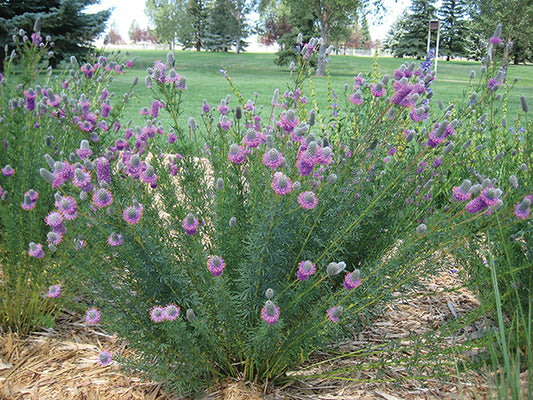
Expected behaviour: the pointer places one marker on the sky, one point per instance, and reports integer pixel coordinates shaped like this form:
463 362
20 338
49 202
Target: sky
126 11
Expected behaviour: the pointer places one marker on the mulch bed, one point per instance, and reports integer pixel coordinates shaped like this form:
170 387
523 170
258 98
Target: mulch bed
61 363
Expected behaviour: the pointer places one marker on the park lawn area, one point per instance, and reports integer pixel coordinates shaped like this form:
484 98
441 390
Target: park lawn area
257 73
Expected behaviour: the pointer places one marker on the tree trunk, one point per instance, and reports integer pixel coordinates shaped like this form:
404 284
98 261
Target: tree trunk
321 68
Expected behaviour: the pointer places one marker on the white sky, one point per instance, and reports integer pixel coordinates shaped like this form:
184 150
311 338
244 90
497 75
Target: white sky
125 11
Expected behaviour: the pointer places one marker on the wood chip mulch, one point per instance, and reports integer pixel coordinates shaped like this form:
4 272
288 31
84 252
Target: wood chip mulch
61 363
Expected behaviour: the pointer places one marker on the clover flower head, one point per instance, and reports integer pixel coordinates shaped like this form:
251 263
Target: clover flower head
132 215
54 291
115 239
157 314
171 312
522 209
352 280
273 158
281 184
334 313
8 170
270 312
92 316
308 200
190 224
104 358
462 193
216 265
236 153
36 250
305 270
102 198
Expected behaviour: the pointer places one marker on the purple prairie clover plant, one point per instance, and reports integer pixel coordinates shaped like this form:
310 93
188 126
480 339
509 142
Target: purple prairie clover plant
115 239
157 314
190 224
236 154
305 270
92 316
308 200
270 312
171 312
216 265
352 280
334 313
133 214
522 209
273 158
104 358
54 291
281 184
102 198
36 250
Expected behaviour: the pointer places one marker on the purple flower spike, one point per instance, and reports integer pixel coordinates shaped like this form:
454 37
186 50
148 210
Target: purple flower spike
7 170
92 316
104 358
462 193
308 200
522 210
334 313
273 158
102 170
281 184
352 280
132 215
236 153
36 250
305 270
476 205
190 224
216 265
270 312
171 312
68 207
102 198
54 291
157 314
115 239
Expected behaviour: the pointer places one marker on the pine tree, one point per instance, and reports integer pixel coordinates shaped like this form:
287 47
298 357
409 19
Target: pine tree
366 39
394 38
414 41
192 34
71 29
168 17
453 28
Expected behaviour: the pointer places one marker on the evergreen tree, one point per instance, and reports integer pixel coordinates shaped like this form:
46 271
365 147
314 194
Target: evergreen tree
226 26
366 39
71 29
414 41
453 31
193 31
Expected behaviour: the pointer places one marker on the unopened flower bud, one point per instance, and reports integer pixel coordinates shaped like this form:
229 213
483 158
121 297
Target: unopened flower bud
190 315
232 222
220 183
269 294
523 102
421 229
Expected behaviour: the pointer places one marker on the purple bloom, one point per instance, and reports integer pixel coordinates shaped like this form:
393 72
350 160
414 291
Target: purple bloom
475 205
462 193
88 70
281 184
67 206
224 123
270 312
253 138
171 312
102 170
490 196
36 250
493 85
273 158
30 96
236 153
104 358
378 90
156 105
7 170
157 314
54 291
356 98
307 200
522 210
352 280
92 316
288 121
190 224
84 151
82 179
115 239
216 265
102 198
205 106
305 270
148 176
495 40
53 219
334 313
132 214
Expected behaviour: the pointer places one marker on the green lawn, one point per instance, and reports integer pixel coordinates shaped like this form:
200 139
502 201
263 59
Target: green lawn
257 73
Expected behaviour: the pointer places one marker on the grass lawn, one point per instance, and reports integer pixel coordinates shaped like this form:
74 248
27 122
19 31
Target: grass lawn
256 72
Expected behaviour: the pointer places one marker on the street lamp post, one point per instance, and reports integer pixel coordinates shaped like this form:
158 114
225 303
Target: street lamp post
434 25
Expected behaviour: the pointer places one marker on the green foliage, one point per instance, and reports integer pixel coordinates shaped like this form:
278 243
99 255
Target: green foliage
72 29
167 16
453 28
37 114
